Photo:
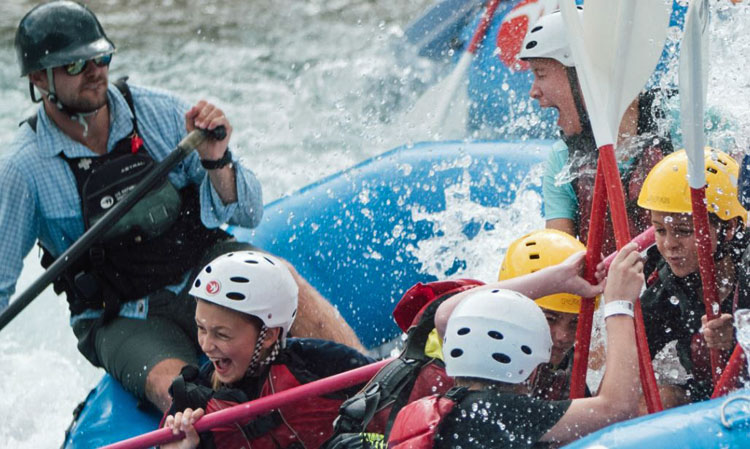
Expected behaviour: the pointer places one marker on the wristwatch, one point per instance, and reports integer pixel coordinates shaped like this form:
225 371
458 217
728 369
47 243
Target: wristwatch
218 163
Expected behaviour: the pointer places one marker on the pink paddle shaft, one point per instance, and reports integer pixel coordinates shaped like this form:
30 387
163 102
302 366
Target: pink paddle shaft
249 410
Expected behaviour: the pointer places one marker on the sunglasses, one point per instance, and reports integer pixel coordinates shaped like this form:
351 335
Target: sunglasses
75 68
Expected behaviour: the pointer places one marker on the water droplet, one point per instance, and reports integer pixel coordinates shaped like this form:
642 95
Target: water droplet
674 300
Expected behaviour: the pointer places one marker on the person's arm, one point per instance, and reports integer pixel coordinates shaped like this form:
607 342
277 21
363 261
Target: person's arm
207 116
618 395
20 226
231 194
564 277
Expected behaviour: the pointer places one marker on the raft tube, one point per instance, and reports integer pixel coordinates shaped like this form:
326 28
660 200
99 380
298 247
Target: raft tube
718 423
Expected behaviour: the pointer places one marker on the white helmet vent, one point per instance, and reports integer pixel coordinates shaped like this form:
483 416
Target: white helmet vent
239 279
236 296
502 358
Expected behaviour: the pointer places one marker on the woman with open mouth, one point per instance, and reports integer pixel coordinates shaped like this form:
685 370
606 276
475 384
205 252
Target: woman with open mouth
246 303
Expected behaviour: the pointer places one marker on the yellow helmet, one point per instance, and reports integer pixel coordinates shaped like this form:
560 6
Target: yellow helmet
666 187
541 249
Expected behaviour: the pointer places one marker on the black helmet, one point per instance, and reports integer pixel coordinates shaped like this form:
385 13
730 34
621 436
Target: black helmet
58 33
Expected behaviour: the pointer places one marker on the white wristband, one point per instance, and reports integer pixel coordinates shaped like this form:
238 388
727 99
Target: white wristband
618 308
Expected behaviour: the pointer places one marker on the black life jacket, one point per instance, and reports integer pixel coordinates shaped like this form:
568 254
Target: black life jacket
672 310
413 375
159 240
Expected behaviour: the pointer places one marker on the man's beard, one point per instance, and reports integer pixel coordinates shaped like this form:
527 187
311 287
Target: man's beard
85 106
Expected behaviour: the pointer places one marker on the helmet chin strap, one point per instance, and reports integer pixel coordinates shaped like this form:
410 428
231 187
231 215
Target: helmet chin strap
256 365
77 116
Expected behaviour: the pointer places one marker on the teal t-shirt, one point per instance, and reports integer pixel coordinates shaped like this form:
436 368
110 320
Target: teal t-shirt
559 198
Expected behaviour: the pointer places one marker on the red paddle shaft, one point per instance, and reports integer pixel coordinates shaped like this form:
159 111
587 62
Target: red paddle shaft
608 176
707 269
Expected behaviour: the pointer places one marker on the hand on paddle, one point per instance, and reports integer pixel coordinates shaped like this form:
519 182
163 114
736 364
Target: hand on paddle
207 116
625 279
719 332
184 422
570 275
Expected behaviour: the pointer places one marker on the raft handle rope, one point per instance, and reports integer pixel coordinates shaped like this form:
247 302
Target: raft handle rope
724 421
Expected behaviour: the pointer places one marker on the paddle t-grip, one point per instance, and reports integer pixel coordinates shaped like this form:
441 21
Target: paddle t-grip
218 133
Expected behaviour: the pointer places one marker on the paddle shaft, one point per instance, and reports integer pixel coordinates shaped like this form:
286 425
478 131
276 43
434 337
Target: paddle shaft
594 242
731 373
154 177
707 268
249 410
643 240
693 84
626 78
616 197
608 185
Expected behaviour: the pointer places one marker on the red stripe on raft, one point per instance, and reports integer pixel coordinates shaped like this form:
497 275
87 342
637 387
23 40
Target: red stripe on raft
484 23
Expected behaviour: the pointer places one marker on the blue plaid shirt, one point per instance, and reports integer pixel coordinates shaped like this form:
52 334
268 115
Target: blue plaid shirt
39 198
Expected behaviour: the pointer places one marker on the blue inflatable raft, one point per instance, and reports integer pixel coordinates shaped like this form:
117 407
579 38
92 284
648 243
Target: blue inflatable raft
719 423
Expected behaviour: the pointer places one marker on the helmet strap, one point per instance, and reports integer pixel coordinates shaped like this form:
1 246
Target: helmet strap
32 92
257 365
76 116
575 89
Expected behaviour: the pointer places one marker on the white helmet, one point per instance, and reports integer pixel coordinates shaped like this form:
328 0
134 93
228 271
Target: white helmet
250 282
547 39
496 334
